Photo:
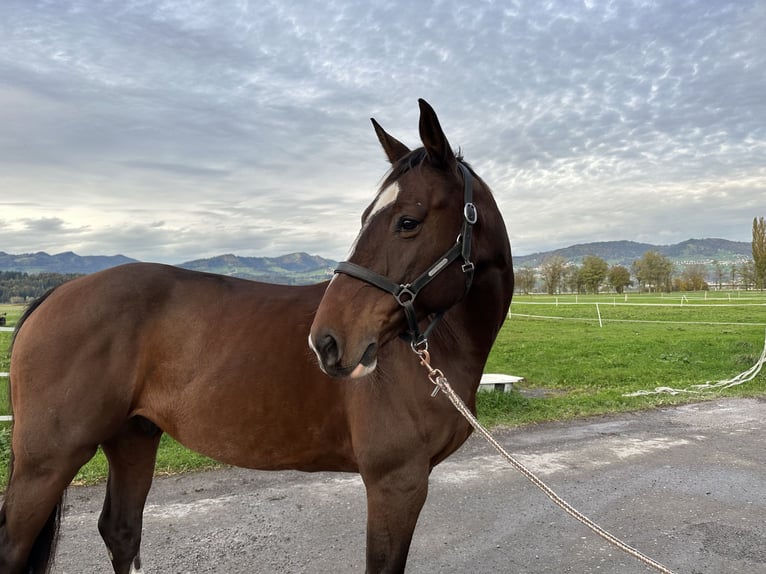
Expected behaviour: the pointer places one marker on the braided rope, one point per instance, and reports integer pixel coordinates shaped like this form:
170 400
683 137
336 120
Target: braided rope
743 377
442 384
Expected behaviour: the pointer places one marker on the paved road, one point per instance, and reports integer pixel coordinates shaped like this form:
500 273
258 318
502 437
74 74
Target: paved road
685 485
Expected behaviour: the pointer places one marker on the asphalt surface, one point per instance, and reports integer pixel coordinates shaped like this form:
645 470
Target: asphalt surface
684 485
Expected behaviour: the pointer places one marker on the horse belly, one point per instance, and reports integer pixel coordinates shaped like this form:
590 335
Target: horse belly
274 418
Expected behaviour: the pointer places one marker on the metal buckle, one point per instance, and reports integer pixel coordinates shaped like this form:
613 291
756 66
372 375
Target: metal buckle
470 213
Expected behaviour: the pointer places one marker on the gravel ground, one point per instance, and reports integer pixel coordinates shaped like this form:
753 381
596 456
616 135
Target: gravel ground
684 485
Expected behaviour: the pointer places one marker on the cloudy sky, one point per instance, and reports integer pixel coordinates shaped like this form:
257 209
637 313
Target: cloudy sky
173 130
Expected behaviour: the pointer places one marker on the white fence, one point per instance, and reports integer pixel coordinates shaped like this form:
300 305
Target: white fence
5 417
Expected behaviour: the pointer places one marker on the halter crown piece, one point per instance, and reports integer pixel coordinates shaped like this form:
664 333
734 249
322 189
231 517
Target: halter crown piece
405 293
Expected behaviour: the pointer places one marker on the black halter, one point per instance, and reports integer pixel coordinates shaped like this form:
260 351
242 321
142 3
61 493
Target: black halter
405 293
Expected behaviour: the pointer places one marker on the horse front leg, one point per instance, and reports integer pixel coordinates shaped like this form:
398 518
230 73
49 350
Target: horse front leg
394 502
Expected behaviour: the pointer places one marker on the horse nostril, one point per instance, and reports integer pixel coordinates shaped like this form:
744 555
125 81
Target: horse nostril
328 350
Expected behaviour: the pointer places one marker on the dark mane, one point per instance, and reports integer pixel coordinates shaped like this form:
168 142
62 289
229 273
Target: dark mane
405 164
412 160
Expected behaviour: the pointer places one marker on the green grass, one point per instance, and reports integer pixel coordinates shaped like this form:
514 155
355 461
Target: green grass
12 314
557 344
573 365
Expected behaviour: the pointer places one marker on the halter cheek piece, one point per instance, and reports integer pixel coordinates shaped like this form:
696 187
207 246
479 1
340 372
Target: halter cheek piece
405 293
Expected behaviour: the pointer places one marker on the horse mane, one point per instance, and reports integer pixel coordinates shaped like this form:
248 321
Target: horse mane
414 159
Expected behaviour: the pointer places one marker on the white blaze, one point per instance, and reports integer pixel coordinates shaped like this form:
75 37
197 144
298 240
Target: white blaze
385 198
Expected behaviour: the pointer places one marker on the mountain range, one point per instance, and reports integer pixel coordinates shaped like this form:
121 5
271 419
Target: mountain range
626 252
295 268
67 262
302 268
291 269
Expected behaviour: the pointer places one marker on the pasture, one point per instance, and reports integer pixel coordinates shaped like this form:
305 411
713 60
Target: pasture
580 356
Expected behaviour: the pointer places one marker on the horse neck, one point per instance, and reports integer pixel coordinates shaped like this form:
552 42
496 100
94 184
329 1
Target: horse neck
473 324
485 307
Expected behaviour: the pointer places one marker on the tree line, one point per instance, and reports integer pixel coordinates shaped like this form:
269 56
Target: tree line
652 272
20 287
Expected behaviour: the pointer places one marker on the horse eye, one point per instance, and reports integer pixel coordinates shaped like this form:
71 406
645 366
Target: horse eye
407 224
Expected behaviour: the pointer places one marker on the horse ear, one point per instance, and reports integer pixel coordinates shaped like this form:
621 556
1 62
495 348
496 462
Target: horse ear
436 144
395 150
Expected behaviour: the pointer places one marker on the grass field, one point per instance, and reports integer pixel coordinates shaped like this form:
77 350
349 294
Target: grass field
580 365
579 355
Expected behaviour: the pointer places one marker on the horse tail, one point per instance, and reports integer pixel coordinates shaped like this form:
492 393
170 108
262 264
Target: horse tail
40 558
31 308
44 547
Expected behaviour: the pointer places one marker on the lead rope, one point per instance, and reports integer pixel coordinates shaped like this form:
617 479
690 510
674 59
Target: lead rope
441 383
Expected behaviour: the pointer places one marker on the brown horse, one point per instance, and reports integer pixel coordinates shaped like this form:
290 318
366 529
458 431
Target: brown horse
221 364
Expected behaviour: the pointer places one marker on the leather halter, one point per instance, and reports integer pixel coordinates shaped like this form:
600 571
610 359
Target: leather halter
405 293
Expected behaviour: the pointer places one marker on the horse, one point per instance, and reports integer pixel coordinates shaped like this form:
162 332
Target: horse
117 358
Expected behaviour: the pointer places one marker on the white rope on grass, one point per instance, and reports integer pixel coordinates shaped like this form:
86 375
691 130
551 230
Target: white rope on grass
743 377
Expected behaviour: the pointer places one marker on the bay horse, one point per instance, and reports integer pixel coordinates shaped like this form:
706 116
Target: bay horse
221 364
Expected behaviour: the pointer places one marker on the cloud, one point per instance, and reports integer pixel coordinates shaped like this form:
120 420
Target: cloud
242 126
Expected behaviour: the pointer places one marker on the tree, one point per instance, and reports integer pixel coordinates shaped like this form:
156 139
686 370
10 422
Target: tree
18 286
747 274
693 278
619 278
552 271
525 280
593 272
718 268
571 279
759 251
653 271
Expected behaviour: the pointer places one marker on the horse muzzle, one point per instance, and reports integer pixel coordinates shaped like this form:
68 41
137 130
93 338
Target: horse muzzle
335 359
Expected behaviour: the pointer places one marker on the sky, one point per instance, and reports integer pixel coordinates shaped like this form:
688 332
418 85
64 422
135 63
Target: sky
175 130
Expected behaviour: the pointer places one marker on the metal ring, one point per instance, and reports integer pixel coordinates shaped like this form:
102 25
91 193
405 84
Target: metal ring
470 213
404 290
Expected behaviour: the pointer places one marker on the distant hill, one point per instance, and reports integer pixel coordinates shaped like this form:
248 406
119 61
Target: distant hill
626 252
67 262
302 268
292 269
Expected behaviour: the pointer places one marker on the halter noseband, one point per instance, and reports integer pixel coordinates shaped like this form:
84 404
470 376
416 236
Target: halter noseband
405 293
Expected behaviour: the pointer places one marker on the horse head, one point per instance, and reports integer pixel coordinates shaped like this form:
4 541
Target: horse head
430 232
